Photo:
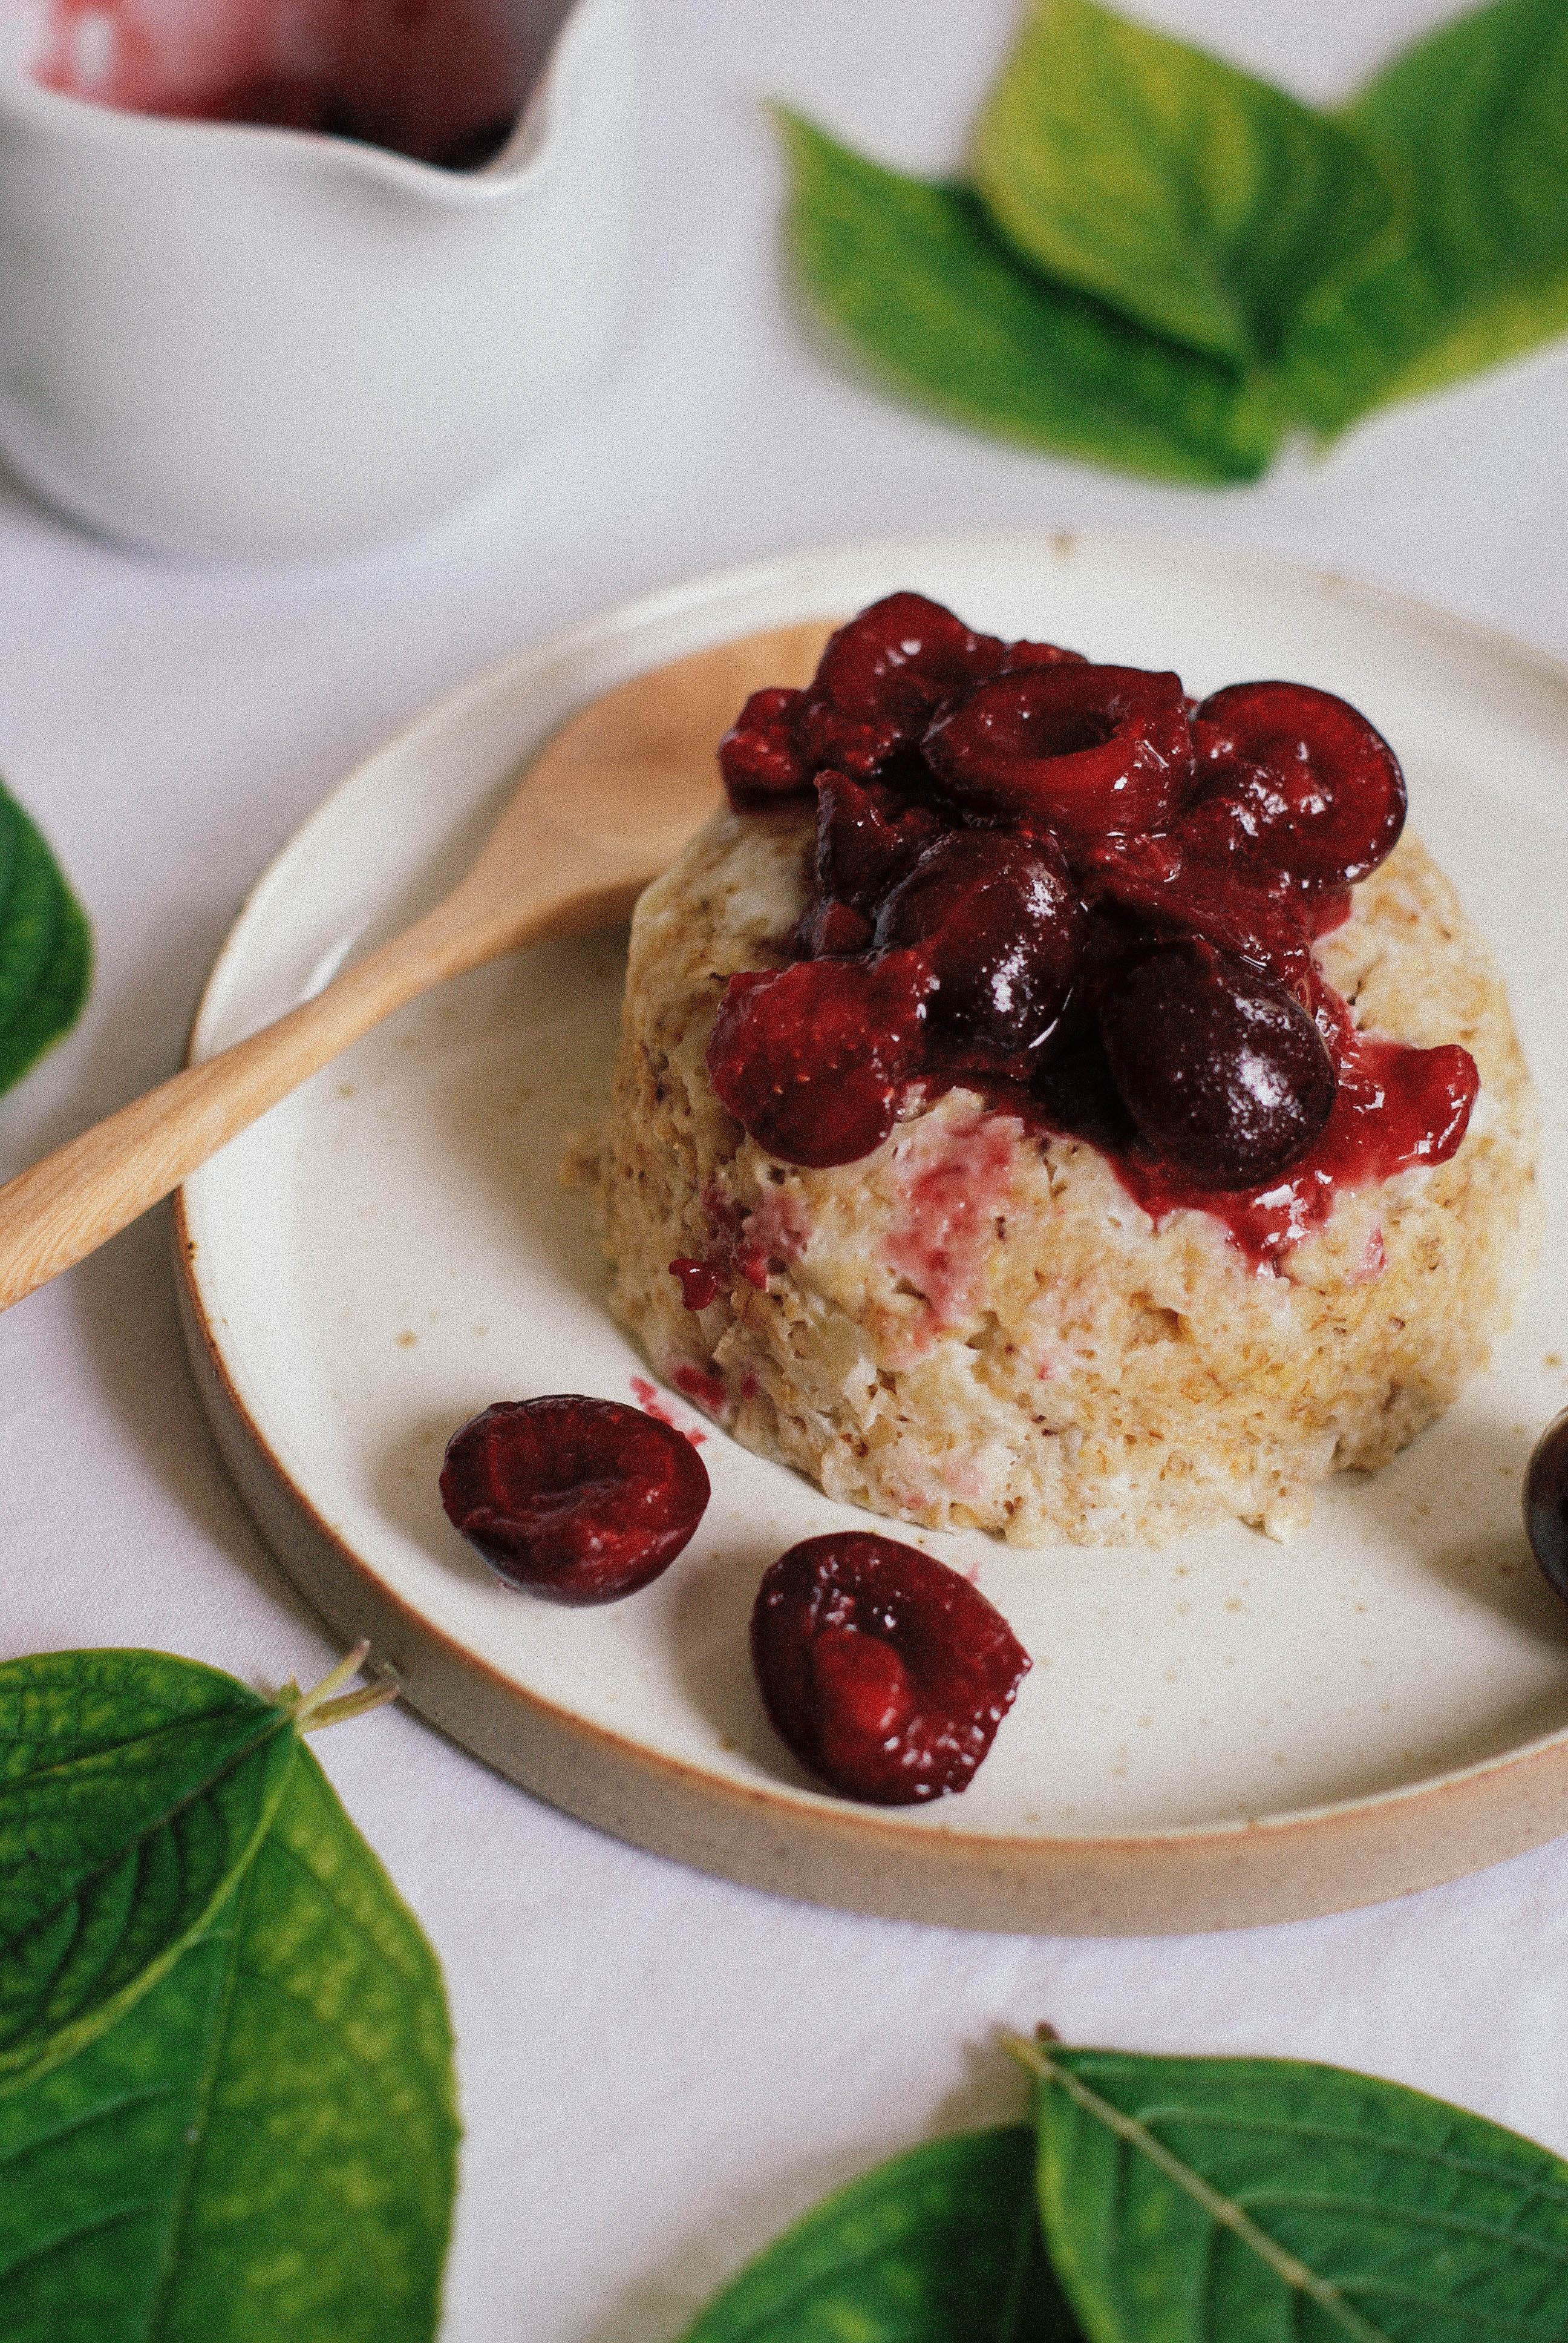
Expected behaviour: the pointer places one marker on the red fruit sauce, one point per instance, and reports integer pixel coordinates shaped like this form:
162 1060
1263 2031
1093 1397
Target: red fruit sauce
1093 900
439 80
578 1500
884 1672
698 1281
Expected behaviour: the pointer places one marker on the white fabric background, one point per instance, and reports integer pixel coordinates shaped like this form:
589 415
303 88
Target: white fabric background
658 2070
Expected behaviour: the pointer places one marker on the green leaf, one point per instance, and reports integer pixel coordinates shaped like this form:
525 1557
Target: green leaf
1203 204
1474 123
1209 2201
264 2146
45 947
915 276
938 2245
134 1789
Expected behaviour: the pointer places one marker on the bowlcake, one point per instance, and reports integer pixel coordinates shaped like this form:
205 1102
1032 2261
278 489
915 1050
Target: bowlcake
983 1321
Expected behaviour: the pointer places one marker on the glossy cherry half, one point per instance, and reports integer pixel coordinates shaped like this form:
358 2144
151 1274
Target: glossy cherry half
1001 929
578 1500
1163 892
866 840
809 1058
884 1672
1084 750
1223 1071
880 678
759 759
1547 1503
1293 781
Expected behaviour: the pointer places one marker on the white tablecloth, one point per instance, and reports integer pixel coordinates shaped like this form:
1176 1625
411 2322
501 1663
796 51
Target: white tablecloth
658 2069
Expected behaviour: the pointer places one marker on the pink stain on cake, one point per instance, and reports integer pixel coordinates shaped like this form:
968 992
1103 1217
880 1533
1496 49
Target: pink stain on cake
775 1230
747 1244
433 79
648 1399
955 1184
1371 1261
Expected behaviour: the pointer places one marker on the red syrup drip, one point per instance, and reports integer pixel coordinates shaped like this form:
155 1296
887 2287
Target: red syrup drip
435 80
1396 1108
698 1281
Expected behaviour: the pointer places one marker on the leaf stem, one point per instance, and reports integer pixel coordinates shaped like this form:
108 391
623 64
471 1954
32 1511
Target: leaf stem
1036 2056
319 1707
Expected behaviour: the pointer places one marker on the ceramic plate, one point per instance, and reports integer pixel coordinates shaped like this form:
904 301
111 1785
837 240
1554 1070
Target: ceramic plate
1219 1732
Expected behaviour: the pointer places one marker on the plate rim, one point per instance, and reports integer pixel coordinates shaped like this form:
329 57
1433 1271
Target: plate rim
1041 1886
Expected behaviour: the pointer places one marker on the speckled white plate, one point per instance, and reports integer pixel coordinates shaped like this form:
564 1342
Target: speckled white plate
1219 1733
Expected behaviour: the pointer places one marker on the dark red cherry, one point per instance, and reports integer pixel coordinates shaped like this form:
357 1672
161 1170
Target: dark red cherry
1024 655
1150 880
1084 750
829 930
1223 1071
865 841
1295 780
884 1672
809 1058
881 676
1001 931
1547 1503
578 1500
759 757
1074 1088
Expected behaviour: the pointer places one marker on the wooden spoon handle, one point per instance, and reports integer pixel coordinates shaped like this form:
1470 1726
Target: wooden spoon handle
88 1190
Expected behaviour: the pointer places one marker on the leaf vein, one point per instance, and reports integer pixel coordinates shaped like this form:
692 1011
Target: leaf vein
375 2078
110 2219
100 2112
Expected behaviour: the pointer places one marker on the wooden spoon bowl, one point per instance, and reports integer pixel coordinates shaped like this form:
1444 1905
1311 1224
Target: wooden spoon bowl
606 805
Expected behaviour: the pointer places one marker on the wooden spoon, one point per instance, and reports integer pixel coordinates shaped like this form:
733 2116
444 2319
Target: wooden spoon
604 808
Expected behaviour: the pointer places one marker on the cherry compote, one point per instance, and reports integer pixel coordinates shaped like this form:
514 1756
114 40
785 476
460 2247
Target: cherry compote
1547 1503
811 1059
1079 749
578 1500
1071 885
1225 1075
1000 928
1293 784
885 1672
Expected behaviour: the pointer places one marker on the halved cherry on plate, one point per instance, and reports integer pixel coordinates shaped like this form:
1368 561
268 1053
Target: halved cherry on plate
578 1500
885 1672
1547 1503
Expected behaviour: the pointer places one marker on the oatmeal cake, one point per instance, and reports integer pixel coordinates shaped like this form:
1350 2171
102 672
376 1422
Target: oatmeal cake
1202 1170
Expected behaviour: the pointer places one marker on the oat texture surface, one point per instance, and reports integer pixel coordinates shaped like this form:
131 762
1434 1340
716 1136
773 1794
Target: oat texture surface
978 1327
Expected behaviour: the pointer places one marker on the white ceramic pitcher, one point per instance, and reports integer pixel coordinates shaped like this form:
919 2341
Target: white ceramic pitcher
222 341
